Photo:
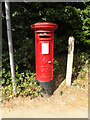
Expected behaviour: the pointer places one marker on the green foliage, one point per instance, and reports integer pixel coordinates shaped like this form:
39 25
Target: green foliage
55 64
86 24
81 62
25 85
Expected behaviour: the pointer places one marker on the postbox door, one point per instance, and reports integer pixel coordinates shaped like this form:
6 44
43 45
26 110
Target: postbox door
46 60
44 66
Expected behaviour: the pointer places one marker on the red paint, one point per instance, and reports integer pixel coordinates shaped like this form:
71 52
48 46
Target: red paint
44 37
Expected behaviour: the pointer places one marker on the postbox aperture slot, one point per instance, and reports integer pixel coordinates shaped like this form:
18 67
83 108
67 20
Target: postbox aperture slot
44 48
44 36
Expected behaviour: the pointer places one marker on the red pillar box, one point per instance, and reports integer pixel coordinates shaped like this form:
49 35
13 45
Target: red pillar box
44 50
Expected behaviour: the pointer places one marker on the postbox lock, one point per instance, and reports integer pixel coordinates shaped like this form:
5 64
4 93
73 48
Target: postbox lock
49 61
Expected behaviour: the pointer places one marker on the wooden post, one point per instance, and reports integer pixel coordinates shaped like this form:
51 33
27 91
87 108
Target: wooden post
70 60
10 44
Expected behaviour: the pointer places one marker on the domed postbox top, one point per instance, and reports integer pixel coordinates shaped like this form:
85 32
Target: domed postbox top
44 26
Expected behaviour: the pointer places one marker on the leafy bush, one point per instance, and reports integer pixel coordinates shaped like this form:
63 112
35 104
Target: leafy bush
81 61
25 85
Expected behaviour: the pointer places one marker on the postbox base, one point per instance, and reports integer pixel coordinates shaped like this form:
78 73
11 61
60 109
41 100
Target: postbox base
47 87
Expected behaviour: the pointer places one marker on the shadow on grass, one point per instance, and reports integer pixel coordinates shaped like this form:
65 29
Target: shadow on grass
60 66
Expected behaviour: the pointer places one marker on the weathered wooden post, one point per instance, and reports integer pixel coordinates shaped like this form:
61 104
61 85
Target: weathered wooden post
69 60
10 44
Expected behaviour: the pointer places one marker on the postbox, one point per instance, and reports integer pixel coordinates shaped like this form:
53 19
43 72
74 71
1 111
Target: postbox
44 50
